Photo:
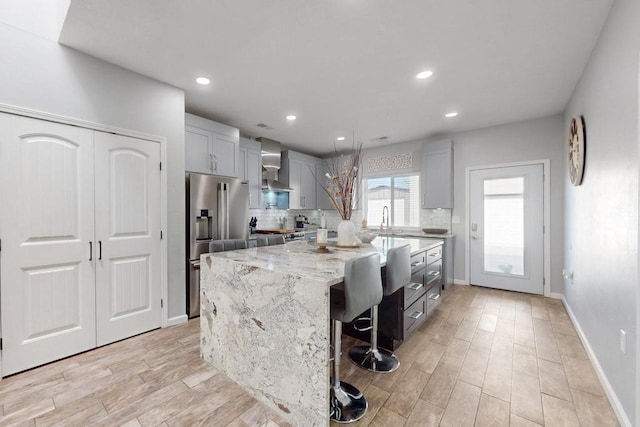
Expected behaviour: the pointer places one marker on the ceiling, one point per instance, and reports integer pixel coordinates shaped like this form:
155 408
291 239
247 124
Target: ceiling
348 67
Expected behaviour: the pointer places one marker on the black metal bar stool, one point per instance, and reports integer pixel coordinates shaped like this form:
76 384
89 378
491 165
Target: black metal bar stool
398 274
362 290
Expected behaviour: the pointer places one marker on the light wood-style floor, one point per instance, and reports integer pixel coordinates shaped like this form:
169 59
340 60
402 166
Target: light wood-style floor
486 357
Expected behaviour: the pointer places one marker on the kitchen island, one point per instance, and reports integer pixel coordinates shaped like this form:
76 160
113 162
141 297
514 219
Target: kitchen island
265 320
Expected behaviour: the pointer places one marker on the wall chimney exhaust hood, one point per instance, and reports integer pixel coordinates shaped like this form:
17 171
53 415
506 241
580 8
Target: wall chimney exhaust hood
271 162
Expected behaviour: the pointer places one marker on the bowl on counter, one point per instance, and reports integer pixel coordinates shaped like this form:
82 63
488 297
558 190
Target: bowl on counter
435 230
366 235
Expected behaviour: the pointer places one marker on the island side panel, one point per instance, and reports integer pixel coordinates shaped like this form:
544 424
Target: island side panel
269 332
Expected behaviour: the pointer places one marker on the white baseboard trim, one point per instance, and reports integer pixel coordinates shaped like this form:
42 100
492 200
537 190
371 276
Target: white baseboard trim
556 295
172 321
460 282
623 419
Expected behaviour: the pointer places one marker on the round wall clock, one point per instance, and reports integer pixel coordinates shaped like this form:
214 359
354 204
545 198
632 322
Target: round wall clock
577 149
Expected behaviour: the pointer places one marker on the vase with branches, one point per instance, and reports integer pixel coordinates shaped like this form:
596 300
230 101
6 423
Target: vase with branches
340 184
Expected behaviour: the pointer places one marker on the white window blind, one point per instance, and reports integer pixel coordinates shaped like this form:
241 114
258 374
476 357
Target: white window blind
401 194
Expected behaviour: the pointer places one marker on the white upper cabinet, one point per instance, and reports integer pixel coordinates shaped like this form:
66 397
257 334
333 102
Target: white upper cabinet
211 147
299 172
250 169
437 175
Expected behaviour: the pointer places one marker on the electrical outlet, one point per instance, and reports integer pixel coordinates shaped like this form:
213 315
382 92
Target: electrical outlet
623 341
455 219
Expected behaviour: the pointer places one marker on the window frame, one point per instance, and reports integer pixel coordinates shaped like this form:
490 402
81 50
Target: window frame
365 198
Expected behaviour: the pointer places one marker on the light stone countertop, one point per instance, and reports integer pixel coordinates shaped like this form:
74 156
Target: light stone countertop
265 320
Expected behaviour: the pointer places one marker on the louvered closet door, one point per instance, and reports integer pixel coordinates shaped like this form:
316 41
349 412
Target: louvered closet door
47 290
128 280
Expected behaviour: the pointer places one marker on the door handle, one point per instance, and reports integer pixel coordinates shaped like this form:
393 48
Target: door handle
99 249
90 251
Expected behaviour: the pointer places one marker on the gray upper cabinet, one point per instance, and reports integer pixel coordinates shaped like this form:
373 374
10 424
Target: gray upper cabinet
211 147
250 169
299 172
437 175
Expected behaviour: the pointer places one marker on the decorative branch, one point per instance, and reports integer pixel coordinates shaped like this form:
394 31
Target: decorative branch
342 174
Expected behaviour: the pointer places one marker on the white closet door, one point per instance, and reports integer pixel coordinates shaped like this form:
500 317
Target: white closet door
47 295
128 279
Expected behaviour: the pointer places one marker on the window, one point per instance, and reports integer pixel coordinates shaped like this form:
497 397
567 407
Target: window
401 194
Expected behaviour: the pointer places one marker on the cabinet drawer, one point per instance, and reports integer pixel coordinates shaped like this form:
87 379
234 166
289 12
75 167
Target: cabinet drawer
415 289
433 274
415 315
417 262
434 254
433 298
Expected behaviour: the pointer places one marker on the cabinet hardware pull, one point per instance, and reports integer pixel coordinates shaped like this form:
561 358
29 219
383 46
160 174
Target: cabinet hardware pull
415 286
434 297
416 315
211 162
216 162
99 249
90 251
434 273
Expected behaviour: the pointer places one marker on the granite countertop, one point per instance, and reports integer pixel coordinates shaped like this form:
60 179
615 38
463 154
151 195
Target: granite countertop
418 234
300 258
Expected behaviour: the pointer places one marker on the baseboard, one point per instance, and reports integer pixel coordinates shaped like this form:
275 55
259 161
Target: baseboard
623 419
460 282
556 295
172 321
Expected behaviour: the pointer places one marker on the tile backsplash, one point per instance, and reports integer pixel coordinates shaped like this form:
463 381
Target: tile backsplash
271 218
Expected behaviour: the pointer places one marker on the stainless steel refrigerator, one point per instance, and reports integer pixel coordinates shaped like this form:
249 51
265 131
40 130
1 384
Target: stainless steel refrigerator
217 208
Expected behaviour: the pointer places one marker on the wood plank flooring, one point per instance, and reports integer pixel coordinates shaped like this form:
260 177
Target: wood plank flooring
486 357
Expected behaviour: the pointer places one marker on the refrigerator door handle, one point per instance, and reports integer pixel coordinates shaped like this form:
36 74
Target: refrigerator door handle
223 211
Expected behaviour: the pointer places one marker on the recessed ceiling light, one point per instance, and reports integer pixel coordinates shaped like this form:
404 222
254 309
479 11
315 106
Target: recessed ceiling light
451 114
424 74
291 117
203 81
340 138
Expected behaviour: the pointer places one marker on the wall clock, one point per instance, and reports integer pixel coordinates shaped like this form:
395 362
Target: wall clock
577 149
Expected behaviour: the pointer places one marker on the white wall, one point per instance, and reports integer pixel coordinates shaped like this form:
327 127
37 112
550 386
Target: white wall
601 237
516 142
39 74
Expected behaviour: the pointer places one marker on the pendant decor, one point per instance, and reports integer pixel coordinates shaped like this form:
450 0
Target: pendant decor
347 234
577 150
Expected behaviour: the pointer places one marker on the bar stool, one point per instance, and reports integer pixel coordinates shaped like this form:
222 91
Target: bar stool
278 239
227 245
362 290
398 274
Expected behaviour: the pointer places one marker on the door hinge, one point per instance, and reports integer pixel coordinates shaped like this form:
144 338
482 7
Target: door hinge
0 244
161 303
544 281
160 165
0 344
544 230
160 234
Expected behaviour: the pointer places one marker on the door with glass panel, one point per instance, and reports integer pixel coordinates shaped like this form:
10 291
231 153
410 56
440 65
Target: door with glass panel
506 226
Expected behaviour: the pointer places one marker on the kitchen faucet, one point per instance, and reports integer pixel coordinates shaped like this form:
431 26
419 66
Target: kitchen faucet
383 217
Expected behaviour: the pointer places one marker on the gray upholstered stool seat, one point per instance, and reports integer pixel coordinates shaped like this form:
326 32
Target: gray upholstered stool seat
361 292
277 239
398 274
227 245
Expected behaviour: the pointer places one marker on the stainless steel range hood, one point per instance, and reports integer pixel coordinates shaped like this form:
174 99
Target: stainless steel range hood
271 163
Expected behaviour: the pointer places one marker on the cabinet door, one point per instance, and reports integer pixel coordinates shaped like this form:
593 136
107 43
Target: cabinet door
295 182
127 213
198 156
254 176
225 154
321 195
308 185
47 295
437 180
242 164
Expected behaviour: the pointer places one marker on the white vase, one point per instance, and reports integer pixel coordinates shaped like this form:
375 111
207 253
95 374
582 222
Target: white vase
347 234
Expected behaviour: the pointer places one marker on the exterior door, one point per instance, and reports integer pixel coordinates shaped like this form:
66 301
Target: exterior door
128 280
47 295
506 228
